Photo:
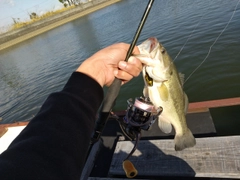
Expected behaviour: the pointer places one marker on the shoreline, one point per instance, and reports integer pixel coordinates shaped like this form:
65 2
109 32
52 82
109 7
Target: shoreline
40 27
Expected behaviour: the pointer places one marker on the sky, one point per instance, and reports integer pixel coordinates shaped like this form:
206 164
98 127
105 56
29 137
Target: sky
20 10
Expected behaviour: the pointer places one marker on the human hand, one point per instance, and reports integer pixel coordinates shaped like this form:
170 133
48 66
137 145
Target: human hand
109 63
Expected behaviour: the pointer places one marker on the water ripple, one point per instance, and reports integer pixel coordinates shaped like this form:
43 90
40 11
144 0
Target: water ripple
32 70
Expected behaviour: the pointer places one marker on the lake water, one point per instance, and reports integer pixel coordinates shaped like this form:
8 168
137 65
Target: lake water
31 70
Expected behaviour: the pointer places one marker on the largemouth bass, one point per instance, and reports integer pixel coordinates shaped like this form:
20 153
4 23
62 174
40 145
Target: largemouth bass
164 87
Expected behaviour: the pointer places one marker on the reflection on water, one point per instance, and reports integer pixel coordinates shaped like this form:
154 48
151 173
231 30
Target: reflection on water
33 69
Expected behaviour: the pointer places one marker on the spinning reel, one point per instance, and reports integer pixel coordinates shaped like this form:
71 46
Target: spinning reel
140 115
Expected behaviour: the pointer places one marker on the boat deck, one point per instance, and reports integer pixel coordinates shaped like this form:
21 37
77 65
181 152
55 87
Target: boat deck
201 125
211 157
214 157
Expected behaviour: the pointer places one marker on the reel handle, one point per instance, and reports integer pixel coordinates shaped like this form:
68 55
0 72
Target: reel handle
129 169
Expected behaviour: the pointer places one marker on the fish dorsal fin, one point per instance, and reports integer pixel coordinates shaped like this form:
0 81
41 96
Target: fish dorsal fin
186 103
163 91
165 127
181 76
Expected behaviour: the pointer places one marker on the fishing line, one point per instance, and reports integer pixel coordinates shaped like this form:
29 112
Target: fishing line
210 48
188 38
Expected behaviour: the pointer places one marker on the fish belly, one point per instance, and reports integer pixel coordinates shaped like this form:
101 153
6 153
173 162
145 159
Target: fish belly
172 115
169 115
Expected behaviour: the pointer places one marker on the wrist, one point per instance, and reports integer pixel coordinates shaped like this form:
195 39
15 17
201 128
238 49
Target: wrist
92 70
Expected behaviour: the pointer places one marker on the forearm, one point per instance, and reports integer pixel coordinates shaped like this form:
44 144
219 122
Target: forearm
55 142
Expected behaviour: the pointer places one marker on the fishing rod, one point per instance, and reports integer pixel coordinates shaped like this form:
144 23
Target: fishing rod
114 89
111 96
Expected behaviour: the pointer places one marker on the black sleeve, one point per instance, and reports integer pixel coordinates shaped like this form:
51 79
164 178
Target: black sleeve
54 144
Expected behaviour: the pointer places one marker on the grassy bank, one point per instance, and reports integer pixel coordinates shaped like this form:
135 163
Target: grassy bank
48 14
46 24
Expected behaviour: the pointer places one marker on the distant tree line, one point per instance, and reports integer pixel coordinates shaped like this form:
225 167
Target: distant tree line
69 2
66 3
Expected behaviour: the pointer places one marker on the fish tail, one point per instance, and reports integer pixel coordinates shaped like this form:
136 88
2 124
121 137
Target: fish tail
184 141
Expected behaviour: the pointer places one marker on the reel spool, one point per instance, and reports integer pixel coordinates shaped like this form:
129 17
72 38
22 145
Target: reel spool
140 115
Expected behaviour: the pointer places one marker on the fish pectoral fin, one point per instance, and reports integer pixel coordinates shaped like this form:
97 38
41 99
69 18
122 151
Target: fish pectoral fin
145 91
165 127
163 91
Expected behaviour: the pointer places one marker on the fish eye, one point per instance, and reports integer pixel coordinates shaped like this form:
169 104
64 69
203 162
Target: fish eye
163 51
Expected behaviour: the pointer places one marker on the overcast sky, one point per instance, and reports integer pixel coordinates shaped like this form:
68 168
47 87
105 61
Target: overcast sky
20 9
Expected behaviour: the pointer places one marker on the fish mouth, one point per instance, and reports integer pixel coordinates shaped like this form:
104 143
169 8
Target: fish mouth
153 57
149 45
150 76
148 79
153 43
